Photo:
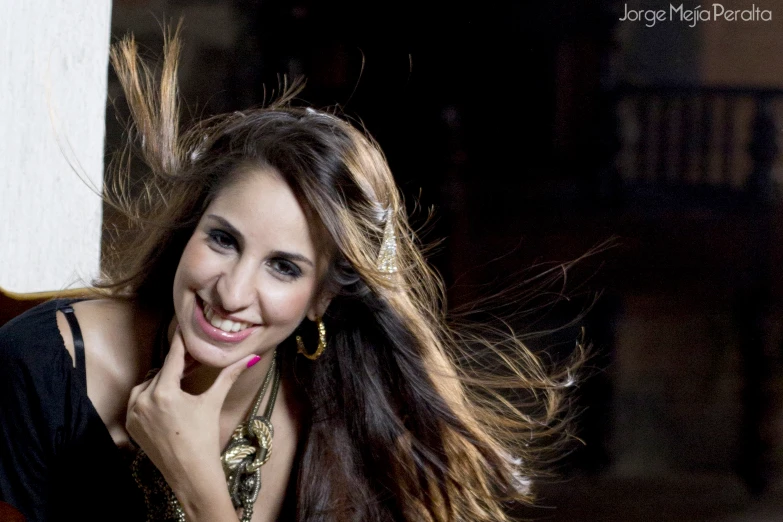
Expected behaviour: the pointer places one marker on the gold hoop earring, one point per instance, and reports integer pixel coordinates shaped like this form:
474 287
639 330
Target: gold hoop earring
321 342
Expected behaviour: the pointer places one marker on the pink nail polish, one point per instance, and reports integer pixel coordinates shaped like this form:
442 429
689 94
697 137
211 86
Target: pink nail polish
252 361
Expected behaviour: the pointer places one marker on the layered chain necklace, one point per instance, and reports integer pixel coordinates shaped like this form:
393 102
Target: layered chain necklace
248 449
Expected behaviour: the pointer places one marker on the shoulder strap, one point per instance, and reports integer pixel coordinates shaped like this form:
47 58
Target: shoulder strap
78 342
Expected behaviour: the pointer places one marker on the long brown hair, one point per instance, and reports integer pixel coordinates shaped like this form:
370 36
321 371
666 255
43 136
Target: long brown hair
409 417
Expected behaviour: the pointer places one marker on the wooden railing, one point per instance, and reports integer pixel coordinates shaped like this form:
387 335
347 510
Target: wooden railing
714 138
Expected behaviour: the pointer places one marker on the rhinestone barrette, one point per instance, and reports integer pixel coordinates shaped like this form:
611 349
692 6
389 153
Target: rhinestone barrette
387 256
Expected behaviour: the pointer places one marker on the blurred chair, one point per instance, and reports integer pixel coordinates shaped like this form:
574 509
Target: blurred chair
8 513
13 303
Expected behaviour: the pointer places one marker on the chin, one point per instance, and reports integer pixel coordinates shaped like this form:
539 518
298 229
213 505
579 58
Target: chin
207 350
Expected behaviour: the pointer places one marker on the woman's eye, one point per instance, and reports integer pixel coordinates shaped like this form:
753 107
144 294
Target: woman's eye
222 239
285 268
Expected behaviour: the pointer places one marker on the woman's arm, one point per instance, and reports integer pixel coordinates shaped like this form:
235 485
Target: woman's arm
180 433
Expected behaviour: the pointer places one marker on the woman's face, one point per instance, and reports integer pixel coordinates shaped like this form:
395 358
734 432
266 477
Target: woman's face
250 272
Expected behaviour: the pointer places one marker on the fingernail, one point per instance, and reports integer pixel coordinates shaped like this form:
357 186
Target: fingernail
252 361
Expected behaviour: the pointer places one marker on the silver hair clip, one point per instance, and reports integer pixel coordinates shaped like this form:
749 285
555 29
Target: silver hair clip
387 256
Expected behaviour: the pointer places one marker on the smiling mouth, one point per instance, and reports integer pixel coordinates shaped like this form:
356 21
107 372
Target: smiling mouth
217 327
217 321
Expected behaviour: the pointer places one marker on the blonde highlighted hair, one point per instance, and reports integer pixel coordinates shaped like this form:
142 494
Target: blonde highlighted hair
408 417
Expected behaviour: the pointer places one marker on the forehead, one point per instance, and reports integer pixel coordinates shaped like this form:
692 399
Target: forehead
264 209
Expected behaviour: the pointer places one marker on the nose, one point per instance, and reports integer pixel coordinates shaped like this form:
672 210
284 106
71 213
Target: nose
236 286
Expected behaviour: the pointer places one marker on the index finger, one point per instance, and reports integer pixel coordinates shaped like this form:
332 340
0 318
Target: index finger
171 372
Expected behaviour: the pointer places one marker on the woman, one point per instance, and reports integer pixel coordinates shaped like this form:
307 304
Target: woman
306 367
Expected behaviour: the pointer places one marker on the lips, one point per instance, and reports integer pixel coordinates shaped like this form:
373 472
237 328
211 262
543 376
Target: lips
219 328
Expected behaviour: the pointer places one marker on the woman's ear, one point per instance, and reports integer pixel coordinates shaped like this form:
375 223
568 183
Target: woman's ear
321 303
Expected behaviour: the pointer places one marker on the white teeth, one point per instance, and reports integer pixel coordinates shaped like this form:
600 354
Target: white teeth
223 324
216 321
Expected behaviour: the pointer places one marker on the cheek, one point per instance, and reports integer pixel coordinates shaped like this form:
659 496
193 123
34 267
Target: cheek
287 302
194 268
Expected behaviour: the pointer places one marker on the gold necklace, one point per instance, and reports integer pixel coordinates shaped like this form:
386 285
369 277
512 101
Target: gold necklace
248 449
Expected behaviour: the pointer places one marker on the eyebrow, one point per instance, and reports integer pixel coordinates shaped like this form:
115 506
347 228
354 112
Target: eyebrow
293 257
231 229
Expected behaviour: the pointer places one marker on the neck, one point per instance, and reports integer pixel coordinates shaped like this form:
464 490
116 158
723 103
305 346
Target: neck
199 378
146 328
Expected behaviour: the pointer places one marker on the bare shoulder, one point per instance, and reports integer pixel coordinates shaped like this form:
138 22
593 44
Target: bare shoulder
86 311
117 346
104 324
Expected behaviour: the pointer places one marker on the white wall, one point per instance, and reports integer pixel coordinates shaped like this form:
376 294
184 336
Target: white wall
53 74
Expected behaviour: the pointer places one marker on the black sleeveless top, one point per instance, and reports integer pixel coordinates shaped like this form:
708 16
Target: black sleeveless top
57 458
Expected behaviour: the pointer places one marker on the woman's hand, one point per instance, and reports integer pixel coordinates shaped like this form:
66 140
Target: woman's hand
180 432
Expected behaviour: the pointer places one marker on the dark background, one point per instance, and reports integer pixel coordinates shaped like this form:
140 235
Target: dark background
538 131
